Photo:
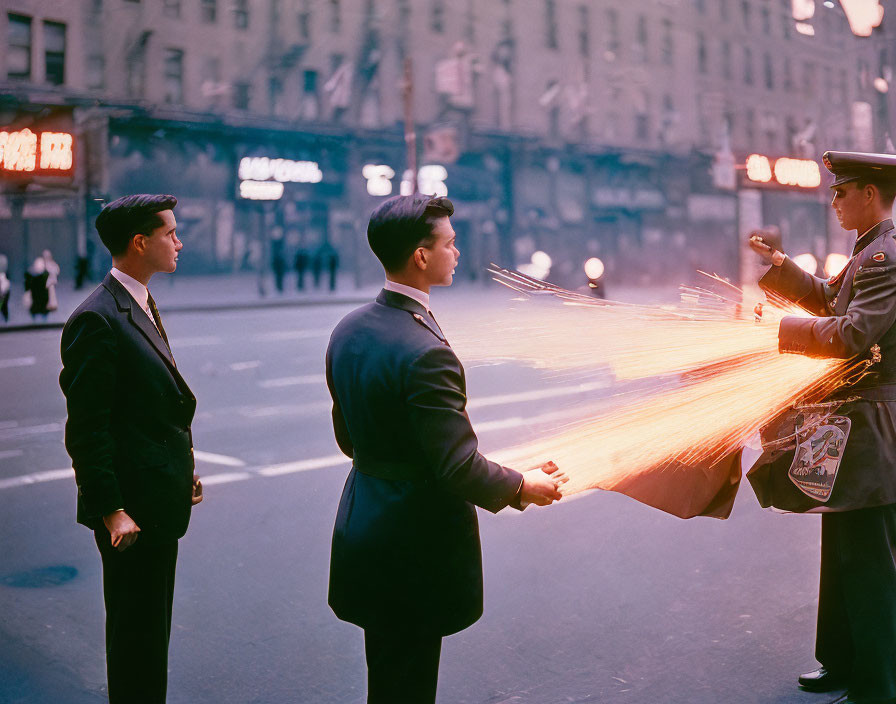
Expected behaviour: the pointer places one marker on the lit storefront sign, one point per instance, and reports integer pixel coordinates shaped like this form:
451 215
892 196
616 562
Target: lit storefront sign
262 178
261 168
785 171
430 180
24 151
261 190
379 179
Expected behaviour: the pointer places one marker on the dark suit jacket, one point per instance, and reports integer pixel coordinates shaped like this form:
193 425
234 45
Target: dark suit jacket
129 414
406 542
851 312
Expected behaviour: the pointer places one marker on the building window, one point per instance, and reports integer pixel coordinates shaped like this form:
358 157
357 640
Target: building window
785 30
550 24
809 78
305 21
335 16
18 55
642 126
668 45
437 16
724 13
241 91
209 11
788 74
748 66
750 128
766 22
641 40
310 99
612 34
241 14
174 76
171 8
584 35
745 13
700 6
701 53
726 59
275 95
96 71
54 52
769 72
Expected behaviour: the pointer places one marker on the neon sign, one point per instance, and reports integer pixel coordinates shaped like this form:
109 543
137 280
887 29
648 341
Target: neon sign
788 172
261 168
379 179
24 151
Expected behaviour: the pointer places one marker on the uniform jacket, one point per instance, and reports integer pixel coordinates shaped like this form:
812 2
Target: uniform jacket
129 413
852 311
406 541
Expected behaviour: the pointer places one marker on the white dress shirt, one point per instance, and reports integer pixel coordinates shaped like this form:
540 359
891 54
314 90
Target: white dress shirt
409 291
138 292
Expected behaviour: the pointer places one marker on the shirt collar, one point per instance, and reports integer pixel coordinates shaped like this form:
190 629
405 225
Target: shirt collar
871 234
138 291
409 291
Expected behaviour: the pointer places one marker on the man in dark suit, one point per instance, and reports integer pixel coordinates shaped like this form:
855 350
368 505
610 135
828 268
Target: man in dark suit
854 312
406 563
128 434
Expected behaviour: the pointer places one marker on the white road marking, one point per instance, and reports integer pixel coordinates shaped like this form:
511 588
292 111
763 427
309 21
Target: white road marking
37 478
10 453
502 424
15 432
537 395
243 366
304 465
179 342
212 458
293 381
224 478
18 362
293 335
285 409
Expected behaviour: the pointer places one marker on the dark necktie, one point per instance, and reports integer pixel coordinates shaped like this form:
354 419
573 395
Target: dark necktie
158 321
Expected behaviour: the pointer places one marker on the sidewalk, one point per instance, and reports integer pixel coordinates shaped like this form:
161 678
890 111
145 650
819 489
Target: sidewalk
191 294
175 294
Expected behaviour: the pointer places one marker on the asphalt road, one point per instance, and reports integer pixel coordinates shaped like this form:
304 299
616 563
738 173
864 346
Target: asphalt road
596 599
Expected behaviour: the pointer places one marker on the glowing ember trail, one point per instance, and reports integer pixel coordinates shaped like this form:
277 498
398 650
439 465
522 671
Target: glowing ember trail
730 380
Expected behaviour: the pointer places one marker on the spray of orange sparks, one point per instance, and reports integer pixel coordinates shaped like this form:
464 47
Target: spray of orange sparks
732 379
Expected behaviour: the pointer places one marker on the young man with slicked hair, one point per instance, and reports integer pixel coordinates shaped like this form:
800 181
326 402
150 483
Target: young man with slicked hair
129 437
406 564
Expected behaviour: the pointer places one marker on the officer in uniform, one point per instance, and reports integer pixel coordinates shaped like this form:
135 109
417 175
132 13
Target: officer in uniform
853 311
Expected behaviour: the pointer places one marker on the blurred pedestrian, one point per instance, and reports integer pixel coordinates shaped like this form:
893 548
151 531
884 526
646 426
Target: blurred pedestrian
301 265
5 288
326 258
52 279
37 293
278 260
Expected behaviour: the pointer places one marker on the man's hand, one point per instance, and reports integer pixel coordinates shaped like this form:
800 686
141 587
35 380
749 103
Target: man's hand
197 490
122 529
759 243
540 485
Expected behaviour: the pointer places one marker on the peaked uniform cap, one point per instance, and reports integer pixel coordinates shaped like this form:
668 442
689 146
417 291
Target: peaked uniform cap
852 166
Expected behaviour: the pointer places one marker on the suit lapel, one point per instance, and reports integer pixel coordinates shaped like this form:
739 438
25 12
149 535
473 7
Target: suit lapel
139 320
398 300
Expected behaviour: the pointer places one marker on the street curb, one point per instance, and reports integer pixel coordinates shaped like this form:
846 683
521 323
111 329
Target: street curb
212 308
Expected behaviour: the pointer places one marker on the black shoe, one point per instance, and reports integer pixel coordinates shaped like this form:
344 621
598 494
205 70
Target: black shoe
821 680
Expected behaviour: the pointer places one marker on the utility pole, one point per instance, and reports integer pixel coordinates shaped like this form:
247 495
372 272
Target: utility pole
410 133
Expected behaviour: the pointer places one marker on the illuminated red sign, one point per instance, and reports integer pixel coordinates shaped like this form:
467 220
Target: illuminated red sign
26 152
788 172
